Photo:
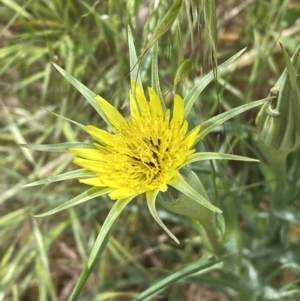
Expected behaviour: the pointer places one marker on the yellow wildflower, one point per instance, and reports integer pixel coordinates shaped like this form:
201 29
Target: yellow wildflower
144 154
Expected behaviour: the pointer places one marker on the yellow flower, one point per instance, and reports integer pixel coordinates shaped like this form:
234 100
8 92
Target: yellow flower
143 154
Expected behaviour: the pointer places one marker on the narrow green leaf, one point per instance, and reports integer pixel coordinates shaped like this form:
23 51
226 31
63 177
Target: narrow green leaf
109 221
67 119
134 64
183 70
155 76
194 93
151 199
293 66
213 122
87 93
83 197
75 174
290 68
165 24
20 10
16 133
180 274
210 22
13 217
43 256
217 156
87 271
59 147
180 184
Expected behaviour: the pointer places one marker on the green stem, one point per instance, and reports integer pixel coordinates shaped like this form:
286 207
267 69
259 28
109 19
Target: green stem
211 237
279 168
277 162
86 272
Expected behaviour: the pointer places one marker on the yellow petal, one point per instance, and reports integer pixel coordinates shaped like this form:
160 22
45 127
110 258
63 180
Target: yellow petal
178 112
140 98
121 193
86 153
190 139
183 128
155 105
90 165
102 149
134 110
92 182
113 115
101 135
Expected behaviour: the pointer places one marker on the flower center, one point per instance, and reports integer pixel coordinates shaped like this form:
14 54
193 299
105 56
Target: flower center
146 154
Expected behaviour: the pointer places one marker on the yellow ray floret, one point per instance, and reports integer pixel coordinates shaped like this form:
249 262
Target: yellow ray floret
113 115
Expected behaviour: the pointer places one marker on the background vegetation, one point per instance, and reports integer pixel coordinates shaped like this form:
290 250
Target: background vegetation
42 259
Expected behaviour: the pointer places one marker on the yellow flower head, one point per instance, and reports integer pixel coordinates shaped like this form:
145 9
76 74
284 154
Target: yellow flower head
144 153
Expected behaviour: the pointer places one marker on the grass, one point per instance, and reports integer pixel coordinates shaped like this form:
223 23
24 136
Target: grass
41 259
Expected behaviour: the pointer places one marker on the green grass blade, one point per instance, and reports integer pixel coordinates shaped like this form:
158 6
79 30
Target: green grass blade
180 274
293 66
87 93
211 123
165 24
217 156
16 133
290 68
83 197
151 201
183 70
211 22
194 93
87 270
75 174
42 256
155 76
67 119
58 147
134 64
108 223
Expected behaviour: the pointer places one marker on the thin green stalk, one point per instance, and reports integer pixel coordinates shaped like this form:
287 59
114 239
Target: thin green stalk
279 195
86 272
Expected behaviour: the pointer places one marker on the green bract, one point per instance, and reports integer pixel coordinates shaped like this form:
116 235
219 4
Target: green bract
278 121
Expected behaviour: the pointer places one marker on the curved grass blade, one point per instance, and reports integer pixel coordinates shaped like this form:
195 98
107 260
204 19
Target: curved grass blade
59 147
165 24
217 156
155 76
180 184
83 197
151 198
180 274
183 70
88 269
194 93
42 256
109 221
211 123
134 64
67 119
75 174
293 67
87 93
